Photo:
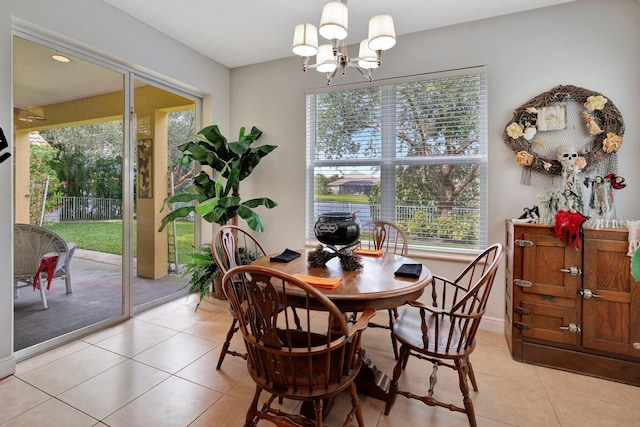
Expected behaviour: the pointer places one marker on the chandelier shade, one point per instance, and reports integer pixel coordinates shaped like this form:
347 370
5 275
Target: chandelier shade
334 27
382 35
334 21
325 61
367 57
305 40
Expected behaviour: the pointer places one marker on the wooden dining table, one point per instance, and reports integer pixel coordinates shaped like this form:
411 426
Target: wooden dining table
375 285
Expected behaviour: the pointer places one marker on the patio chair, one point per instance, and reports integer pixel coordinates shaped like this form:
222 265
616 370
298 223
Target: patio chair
40 255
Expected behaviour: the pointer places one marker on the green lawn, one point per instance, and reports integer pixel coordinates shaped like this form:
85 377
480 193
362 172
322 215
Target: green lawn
106 236
342 198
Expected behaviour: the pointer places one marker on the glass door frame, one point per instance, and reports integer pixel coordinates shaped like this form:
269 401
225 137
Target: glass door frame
129 151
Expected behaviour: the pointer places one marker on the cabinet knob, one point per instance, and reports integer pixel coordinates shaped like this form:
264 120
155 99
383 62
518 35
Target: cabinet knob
573 328
574 271
587 293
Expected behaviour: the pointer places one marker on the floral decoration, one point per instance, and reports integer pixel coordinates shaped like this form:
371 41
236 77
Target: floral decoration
523 158
580 162
596 102
602 120
611 143
514 130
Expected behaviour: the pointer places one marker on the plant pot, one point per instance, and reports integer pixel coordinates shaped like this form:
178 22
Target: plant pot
217 288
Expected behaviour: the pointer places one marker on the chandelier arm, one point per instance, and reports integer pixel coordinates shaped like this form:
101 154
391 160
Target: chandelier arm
368 74
331 75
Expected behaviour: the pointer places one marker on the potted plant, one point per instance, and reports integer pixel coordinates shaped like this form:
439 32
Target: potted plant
217 200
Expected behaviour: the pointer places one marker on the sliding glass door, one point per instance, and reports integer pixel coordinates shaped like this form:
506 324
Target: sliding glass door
163 120
94 146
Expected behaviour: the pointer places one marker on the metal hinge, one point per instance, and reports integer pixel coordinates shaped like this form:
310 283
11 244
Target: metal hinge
522 283
521 310
524 243
522 326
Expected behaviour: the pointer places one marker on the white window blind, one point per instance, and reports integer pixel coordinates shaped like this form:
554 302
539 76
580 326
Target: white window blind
411 151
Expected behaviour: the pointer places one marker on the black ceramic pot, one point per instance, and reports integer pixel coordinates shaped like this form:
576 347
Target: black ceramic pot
337 228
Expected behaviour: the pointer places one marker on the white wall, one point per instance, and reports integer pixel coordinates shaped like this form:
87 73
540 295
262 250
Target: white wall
587 43
98 27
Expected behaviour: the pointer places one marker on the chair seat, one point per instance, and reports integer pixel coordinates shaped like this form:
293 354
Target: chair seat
408 330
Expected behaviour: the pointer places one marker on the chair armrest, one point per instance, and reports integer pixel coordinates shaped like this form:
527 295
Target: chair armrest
429 308
363 321
71 248
445 312
65 257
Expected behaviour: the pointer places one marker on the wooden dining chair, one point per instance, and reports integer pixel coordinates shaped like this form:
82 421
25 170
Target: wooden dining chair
388 237
310 364
443 332
233 246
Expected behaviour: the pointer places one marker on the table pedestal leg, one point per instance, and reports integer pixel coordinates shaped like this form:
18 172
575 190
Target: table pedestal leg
372 381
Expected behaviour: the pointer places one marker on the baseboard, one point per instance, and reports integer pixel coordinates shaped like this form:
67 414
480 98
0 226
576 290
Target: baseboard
492 324
7 366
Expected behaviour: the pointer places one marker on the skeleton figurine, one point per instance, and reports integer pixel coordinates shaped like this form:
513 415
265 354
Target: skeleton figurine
600 200
571 188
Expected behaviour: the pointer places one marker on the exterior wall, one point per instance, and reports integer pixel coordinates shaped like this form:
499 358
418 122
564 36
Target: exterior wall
97 27
586 43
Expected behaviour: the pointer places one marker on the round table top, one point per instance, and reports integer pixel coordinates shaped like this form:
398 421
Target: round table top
373 286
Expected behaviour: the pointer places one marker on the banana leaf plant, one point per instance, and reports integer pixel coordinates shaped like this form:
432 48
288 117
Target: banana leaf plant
218 201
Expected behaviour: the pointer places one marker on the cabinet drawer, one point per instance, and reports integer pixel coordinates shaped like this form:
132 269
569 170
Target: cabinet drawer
544 323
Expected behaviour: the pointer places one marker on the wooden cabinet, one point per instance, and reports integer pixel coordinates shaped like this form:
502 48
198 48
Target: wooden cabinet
576 309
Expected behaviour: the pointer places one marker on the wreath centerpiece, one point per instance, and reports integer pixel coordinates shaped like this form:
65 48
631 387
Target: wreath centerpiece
601 117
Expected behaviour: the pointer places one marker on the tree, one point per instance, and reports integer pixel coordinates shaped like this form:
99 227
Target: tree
181 130
89 158
422 129
42 166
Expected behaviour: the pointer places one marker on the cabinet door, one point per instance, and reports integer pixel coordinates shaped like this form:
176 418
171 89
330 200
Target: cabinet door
611 319
545 319
543 264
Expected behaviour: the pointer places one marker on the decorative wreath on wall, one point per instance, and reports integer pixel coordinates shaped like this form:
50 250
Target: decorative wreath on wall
601 117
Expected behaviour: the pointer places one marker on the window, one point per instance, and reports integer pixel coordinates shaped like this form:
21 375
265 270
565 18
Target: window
411 151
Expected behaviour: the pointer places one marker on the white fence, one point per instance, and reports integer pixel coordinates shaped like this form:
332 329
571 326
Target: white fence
89 208
92 208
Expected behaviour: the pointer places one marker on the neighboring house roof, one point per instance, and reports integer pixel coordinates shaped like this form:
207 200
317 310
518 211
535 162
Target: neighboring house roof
355 178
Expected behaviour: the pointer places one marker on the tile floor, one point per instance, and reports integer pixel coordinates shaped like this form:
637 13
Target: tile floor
158 369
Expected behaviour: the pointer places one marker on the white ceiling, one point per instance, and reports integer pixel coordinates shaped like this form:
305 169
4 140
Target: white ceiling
235 33
241 32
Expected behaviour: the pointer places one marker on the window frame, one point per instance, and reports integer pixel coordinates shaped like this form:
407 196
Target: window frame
388 163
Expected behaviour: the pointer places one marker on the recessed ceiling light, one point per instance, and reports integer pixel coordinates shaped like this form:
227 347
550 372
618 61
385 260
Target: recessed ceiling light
60 58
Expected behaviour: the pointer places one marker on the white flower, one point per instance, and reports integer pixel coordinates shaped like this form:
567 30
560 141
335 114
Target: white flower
595 102
530 132
514 130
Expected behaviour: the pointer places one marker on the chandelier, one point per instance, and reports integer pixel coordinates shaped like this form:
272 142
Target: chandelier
333 57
